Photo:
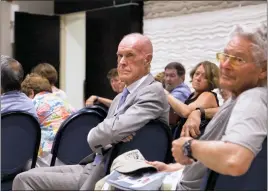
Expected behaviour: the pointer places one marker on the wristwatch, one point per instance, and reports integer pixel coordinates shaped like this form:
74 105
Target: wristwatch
187 150
202 111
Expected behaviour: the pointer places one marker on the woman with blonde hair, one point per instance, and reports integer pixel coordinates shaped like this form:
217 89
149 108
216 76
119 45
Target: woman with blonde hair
51 111
205 77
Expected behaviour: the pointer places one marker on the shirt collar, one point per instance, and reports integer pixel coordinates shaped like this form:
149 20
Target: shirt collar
11 92
131 88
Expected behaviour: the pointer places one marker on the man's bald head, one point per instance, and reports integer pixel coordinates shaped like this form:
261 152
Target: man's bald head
134 56
139 41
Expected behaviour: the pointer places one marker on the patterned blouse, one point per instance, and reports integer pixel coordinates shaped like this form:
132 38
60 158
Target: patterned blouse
52 111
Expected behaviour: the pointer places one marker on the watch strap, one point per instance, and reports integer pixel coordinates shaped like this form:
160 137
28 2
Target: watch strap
202 111
187 144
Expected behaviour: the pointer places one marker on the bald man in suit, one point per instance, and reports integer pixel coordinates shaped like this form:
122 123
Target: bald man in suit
142 100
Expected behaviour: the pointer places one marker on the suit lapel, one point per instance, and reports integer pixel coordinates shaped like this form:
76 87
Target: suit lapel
132 96
114 105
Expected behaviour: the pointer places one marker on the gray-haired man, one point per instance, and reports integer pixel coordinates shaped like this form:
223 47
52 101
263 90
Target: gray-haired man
235 134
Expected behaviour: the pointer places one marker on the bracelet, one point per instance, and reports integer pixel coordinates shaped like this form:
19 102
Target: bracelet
202 111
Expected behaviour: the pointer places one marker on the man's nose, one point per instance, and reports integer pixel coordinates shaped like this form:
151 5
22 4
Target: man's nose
226 64
122 61
167 78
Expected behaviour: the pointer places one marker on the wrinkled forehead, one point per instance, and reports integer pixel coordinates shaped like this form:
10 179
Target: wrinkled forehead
238 44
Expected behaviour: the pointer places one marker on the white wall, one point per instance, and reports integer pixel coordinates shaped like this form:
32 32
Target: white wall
36 7
195 37
5 37
73 46
157 9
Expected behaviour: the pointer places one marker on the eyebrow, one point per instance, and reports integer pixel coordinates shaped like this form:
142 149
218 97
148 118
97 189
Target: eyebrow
239 53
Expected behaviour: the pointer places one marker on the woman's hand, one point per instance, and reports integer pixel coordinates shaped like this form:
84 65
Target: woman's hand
192 124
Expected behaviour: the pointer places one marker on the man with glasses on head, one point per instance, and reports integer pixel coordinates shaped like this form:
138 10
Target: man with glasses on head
235 134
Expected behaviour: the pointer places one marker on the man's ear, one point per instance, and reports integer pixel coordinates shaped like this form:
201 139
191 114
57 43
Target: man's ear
183 77
263 73
148 59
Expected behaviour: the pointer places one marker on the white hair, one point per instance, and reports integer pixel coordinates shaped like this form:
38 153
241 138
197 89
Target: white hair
258 38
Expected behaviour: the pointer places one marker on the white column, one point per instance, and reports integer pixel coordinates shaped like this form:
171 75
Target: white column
73 46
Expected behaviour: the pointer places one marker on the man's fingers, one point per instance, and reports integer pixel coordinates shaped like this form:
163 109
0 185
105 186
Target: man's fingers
183 131
127 139
192 132
187 134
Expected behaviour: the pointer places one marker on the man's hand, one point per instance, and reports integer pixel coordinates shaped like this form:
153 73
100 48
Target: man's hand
177 151
160 166
91 100
191 126
129 138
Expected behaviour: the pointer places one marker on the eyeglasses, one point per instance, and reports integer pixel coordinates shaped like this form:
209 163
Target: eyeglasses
235 61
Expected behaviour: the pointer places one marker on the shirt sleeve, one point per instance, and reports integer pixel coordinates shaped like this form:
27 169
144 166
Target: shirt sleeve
247 125
180 95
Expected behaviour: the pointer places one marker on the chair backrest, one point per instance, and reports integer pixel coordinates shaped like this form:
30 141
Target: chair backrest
20 140
70 143
254 180
103 110
153 141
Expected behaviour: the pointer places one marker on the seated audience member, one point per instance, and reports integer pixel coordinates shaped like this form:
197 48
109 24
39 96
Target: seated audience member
160 77
234 136
204 79
12 99
174 83
51 110
142 100
116 84
48 71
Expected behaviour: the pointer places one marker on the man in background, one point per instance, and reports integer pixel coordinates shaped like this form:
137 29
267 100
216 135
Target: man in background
174 83
116 84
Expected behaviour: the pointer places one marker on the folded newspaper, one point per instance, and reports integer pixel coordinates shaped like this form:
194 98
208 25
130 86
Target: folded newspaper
144 182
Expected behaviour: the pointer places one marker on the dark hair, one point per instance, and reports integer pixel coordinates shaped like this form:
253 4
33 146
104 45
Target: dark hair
48 71
11 74
178 66
112 73
35 82
212 73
